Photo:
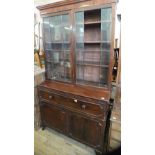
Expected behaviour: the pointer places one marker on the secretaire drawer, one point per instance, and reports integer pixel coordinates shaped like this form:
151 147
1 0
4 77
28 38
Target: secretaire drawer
71 103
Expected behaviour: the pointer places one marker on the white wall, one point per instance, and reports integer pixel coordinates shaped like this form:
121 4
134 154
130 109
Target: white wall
42 2
118 23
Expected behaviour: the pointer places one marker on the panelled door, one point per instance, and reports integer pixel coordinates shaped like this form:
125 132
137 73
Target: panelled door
86 130
53 117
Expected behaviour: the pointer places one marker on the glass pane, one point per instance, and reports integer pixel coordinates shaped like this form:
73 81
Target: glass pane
57 46
79 73
55 25
105 46
65 19
105 58
79 56
48 55
46 29
91 73
48 68
104 77
65 28
106 17
79 26
47 40
106 31
92 57
57 72
66 46
66 33
106 24
79 46
47 37
79 33
57 36
106 14
56 57
47 46
79 17
67 55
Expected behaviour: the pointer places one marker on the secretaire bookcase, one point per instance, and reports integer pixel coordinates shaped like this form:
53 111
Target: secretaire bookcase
78 39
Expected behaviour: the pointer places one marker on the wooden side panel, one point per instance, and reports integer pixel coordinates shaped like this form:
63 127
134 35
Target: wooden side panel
53 117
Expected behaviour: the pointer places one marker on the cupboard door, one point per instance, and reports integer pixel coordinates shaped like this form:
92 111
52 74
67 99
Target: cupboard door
53 117
57 43
86 130
92 46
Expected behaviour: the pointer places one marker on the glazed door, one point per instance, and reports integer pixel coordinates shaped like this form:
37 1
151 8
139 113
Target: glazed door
85 130
57 45
53 117
92 46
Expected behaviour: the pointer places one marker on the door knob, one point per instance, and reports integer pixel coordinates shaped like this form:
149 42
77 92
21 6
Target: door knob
83 106
50 97
75 100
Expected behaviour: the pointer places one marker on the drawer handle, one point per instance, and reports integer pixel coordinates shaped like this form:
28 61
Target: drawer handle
83 106
50 97
75 100
99 124
102 98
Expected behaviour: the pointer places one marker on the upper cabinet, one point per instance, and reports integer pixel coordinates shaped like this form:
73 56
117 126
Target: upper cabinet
78 43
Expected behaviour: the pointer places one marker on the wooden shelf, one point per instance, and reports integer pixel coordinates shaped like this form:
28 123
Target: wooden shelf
66 42
93 50
88 50
89 23
92 15
53 62
85 82
92 42
92 22
53 50
64 78
105 21
60 60
91 63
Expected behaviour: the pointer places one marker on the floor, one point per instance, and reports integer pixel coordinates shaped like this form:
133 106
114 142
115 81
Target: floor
50 142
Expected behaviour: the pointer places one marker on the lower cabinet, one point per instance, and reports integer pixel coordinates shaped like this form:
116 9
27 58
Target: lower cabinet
53 117
86 130
80 127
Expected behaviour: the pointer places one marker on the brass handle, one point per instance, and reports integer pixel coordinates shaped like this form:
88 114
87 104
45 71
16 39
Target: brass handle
102 98
83 106
99 124
75 100
50 97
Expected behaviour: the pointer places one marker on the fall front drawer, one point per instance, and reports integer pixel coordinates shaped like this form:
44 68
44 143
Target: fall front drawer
74 104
